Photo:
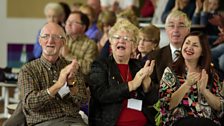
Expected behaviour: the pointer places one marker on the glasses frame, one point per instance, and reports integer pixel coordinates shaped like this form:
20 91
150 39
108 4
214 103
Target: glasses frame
55 37
124 38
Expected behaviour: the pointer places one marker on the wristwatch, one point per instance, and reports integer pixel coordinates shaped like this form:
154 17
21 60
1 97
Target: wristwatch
72 85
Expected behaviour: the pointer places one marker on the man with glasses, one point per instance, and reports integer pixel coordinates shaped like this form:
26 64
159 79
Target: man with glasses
79 46
41 82
177 26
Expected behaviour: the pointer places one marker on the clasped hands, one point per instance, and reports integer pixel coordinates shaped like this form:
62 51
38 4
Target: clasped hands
200 79
67 74
142 76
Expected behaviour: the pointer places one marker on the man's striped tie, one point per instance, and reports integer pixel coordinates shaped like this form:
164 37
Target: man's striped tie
177 54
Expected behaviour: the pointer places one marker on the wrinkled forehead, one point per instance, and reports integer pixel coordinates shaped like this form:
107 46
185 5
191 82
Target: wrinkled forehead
52 28
176 20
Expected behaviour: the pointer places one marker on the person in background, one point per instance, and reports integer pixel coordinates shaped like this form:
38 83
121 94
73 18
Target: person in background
95 4
93 31
205 10
106 21
75 6
187 6
130 16
190 88
217 50
41 82
159 6
119 5
54 13
148 9
78 45
118 81
67 12
149 37
177 26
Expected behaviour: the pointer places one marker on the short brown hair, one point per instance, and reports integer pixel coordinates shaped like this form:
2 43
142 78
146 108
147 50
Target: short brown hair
151 32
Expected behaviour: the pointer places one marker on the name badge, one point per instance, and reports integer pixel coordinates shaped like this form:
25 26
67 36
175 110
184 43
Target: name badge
135 104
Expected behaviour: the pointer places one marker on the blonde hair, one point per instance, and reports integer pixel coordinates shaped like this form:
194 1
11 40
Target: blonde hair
107 18
178 14
82 8
130 15
125 25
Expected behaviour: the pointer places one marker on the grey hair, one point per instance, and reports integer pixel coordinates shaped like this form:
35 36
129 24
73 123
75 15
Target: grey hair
54 6
178 14
63 34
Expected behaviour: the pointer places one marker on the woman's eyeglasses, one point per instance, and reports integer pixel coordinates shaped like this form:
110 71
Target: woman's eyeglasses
124 38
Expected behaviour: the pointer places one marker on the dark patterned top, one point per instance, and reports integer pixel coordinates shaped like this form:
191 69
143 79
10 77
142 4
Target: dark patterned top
38 106
193 103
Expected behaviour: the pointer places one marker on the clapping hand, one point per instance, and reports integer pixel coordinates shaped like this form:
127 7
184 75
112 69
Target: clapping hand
68 73
143 75
147 80
202 83
192 78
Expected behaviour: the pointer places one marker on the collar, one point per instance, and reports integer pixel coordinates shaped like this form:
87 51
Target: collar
48 64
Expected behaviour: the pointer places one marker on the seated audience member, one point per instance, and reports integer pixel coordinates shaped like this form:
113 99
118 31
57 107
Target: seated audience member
53 12
119 80
159 6
177 26
190 88
130 15
148 9
67 12
105 22
78 45
52 89
119 5
187 6
217 51
149 37
126 14
75 6
93 31
205 10
95 4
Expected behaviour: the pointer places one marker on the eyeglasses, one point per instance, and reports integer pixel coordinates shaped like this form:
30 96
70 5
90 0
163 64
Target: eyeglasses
124 38
145 40
172 26
55 37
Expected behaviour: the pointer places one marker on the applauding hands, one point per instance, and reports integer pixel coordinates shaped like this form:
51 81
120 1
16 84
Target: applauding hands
142 76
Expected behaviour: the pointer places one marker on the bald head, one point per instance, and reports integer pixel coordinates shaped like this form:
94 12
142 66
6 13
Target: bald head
53 27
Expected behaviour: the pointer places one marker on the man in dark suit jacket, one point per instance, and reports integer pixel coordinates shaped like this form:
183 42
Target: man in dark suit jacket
177 26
